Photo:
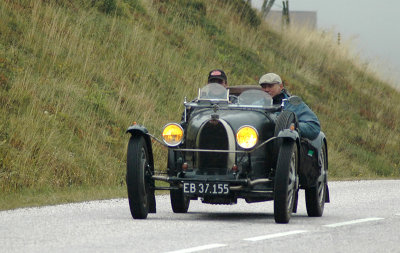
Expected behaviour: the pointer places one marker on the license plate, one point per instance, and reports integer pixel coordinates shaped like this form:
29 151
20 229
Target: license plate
206 188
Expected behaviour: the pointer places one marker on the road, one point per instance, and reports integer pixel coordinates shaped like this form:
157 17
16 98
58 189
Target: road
363 216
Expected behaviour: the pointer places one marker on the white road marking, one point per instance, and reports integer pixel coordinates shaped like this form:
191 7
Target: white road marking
398 214
277 235
199 248
271 236
352 222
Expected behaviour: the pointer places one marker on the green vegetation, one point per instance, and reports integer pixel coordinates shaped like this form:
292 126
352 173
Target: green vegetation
75 74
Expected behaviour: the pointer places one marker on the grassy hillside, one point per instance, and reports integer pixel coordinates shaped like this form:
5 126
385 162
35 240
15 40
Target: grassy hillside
75 74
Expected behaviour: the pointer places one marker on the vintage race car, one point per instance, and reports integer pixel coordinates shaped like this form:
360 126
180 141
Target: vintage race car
232 143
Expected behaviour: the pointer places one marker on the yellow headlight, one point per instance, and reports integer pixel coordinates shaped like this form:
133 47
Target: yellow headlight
247 137
172 134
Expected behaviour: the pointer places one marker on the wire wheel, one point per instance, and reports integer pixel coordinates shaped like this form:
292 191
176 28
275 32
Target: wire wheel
137 181
179 202
285 185
315 196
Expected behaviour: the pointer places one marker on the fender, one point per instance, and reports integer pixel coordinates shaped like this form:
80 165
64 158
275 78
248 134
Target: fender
290 134
141 130
137 129
287 133
317 143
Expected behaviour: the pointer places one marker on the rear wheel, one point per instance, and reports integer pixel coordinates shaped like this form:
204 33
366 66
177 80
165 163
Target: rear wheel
179 202
315 196
285 185
137 177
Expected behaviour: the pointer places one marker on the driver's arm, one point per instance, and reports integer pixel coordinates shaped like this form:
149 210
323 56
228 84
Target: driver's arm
309 125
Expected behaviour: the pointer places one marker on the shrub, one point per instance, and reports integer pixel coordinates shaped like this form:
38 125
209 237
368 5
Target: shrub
245 11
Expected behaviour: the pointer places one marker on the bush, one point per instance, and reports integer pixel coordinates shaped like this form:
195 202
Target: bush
107 6
245 11
119 7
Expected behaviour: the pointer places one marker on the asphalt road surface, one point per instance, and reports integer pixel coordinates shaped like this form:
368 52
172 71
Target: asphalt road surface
363 216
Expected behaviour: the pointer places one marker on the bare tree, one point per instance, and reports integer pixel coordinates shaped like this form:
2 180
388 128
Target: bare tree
266 7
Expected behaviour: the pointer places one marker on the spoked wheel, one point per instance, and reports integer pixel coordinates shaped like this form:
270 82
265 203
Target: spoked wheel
138 177
285 181
315 196
179 202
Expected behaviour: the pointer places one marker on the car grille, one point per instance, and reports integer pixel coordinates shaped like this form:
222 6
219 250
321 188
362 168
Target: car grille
213 136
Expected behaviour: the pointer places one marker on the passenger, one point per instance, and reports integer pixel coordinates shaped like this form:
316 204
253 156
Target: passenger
309 125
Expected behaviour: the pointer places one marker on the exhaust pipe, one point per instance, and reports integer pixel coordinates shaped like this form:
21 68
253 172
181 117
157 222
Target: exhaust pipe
250 183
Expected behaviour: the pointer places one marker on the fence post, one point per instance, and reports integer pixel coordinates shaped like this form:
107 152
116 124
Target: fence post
285 13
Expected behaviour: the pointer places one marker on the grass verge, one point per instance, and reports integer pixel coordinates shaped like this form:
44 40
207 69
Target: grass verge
74 75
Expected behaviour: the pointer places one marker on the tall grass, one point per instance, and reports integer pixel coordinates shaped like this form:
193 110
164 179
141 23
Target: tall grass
359 112
74 76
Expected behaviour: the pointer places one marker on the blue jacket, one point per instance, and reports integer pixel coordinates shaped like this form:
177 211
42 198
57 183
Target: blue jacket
309 125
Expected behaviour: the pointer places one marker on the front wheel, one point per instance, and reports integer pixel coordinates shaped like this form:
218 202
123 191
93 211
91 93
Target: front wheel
137 177
179 202
285 185
315 196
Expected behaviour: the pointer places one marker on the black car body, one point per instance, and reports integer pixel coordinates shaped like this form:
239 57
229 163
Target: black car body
232 143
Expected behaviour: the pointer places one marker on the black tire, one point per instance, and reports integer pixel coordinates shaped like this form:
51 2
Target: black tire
285 185
138 184
179 202
315 196
285 119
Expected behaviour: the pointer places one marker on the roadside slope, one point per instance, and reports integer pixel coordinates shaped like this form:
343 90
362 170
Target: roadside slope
74 76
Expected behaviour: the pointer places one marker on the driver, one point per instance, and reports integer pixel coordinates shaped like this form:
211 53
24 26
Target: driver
309 125
218 76
214 76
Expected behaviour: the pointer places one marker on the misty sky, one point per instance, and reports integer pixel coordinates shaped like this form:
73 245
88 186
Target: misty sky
373 26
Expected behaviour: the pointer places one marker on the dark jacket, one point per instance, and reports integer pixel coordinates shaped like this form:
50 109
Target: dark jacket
309 125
